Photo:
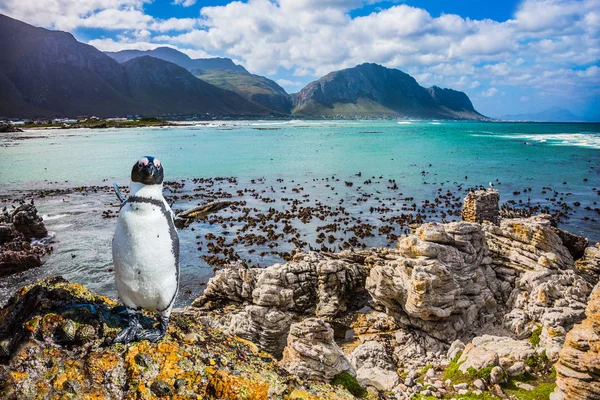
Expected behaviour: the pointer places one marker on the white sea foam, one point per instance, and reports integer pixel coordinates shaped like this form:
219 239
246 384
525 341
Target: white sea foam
405 122
582 139
54 216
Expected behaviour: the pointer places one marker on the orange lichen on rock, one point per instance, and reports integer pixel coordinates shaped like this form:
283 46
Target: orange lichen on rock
224 385
57 344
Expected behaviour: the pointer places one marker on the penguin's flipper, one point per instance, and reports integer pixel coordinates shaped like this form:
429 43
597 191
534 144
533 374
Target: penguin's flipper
129 333
154 335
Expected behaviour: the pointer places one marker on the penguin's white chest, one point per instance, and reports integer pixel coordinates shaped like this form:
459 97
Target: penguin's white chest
145 255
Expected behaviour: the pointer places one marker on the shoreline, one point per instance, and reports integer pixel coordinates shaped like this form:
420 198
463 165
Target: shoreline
269 219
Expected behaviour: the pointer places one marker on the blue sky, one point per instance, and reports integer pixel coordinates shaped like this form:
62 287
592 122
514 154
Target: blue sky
509 56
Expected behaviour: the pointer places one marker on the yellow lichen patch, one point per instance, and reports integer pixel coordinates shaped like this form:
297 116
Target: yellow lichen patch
302 394
71 370
169 354
252 346
224 385
99 363
18 376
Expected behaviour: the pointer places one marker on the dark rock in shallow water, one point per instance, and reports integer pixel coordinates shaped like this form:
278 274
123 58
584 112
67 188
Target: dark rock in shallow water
26 220
44 354
17 227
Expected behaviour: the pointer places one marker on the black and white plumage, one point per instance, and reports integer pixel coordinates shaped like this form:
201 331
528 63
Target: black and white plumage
146 252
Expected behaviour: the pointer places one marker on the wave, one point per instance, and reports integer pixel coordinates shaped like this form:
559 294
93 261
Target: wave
51 217
582 139
405 122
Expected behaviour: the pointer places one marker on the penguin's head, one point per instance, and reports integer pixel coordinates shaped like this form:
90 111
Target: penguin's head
148 171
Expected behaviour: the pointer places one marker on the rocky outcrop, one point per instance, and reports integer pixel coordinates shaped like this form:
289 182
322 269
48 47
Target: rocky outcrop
578 366
54 339
481 205
547 293
548 300
438 280
311 353
527 244
273 298
18 227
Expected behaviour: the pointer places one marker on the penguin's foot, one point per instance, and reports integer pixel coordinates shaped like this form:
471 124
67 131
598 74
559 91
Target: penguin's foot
154 335
130 333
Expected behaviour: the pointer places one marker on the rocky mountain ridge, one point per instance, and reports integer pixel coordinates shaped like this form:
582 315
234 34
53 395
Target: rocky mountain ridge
373 90
47 73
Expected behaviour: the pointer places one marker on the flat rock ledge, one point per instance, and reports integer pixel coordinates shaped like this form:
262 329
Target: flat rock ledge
54 339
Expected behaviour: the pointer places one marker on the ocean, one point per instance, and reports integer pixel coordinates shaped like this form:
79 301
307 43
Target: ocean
364 176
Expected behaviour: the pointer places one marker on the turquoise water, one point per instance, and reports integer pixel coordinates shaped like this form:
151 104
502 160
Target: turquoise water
423 157
482 151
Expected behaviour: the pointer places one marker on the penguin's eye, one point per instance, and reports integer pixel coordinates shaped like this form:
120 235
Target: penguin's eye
157 163
143 162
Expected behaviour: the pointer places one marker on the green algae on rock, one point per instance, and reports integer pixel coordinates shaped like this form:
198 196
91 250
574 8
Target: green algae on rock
55 343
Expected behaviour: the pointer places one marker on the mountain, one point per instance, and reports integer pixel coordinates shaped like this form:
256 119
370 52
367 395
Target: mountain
221 72
554 114
179 58
46 73
167 86
255 88
371 90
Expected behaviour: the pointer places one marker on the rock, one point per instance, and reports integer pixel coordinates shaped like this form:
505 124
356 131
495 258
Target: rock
281 294
234 283
373 322
481 205
589 265
25 220
479 384
40 362
263 326
578 366
574 243
373 366
497 376
460 386
17 227
311 352
477 358
524 386
516 369
552 299
527 244
438 280
17 254
488 350
456 347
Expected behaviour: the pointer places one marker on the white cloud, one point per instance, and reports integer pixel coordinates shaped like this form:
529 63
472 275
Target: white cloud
285 82
490 92
184 3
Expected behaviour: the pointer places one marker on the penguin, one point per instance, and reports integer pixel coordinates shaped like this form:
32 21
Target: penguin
145 251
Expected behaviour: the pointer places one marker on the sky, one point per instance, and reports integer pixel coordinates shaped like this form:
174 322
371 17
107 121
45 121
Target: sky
510 57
